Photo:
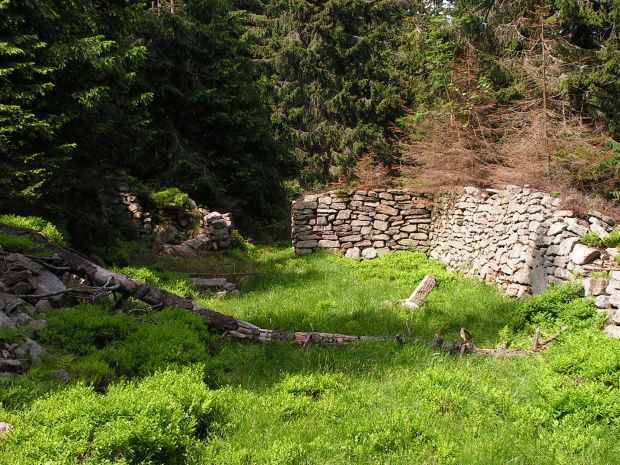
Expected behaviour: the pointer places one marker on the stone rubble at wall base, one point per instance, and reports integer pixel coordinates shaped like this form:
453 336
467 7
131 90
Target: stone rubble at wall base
518 239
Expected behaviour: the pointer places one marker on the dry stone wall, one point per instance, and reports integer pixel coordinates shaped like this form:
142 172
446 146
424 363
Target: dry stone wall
361 223
174 232
518 239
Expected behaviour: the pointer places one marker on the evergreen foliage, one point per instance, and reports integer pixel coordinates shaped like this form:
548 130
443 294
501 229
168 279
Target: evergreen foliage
228 99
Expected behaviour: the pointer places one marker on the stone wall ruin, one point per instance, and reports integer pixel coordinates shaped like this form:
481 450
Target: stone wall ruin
518 239
173 231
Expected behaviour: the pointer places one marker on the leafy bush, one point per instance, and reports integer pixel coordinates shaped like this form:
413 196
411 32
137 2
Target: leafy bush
13 334
112 345
22 244
84 329
241 246
49 231
152 421
613 240
170 196
564 302
174 337
592 239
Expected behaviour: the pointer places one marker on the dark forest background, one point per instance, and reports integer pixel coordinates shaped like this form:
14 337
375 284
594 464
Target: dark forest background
243 104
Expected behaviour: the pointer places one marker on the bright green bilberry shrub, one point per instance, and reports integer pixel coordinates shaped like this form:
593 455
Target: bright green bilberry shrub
169 196
151 421
84 329
564 302
592 239
49 231
613 240
22 244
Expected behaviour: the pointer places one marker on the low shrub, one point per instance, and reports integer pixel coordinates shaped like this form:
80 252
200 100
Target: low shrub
613 240
152 421
84 329
23 245
172 336
171 196
114 345
592 239
564 302
47 229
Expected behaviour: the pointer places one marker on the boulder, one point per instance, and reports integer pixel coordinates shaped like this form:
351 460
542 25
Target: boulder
369 253
19 263
62 375
13 277
353 252
5 427
584 254
21 288
612 331
33 349
48 284
42 306
595 286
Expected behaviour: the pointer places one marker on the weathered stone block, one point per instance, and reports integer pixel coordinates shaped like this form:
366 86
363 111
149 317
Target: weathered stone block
352 253
343 215
387 210
381 225
369 253
594 286
301 204
583 254
306 244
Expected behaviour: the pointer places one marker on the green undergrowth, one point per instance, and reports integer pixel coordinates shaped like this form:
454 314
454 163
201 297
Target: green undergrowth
159 388
22 244
47 229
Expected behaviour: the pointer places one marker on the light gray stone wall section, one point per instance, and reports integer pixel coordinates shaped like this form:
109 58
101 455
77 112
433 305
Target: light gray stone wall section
364 223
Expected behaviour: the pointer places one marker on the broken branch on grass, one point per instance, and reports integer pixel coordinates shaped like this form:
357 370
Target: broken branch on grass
555 336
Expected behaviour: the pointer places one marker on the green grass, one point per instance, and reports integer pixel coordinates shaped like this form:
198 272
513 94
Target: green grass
380 402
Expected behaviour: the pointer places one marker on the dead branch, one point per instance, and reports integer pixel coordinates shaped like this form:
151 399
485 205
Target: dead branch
535 344
555 336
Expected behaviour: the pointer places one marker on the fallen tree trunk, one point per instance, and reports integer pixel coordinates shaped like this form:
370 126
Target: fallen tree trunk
128 287
77 264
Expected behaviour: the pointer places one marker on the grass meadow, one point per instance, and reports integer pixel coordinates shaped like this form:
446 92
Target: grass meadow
159 388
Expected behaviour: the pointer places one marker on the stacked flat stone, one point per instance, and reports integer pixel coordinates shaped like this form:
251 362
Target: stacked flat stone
171 232
516 238
126 200
21 276
361 223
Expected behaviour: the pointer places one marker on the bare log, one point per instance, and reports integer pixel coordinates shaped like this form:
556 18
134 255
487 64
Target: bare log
128 287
